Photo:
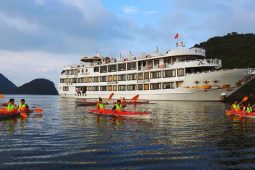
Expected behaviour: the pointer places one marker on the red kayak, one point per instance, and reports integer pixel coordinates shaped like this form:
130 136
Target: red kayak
240 113
4 114
7 115
121 113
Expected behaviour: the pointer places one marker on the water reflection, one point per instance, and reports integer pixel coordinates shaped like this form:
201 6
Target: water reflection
179 135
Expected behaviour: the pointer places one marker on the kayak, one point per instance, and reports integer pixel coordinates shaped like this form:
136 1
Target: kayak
121 113
241 113
6 115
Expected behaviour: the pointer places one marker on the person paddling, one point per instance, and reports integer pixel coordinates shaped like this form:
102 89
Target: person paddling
235 106
100 105
123 102
23 107
11 107
249 108
117 106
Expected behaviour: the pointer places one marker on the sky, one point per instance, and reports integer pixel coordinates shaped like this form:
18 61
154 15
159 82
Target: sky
39 37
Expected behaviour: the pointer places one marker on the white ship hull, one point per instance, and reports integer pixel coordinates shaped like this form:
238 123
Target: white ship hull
209 86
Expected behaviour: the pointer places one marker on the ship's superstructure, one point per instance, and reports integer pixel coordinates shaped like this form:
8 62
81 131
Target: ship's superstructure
180 74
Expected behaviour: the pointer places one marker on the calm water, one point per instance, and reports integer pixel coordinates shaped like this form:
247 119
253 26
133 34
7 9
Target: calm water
179 135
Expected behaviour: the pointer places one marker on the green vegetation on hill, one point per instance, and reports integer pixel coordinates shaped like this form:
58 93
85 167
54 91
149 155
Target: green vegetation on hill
236 51
37 86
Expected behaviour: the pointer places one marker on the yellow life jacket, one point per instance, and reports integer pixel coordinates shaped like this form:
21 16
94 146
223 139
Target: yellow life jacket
118 107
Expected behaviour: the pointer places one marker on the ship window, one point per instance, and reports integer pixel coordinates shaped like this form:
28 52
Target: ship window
146 86
156 74
122 77
103 88
62 80
65 88
95 88
156 63
131 87
109 78
79 80
146 75
114 78
140 87
90 80
74 80
114 87
122 87
103 79
86 79
89 88
180 72
131 76
96 69
155 86
122 67
140 76
110 88
103 69
179 83
168 85
96 79
169 73
112 68
131 66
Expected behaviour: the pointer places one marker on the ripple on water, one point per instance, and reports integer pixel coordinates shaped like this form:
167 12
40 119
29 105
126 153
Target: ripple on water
179 135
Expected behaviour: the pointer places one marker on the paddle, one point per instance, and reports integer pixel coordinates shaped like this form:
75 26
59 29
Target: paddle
244 99
38 110
1 96
134 99
24 115
109 98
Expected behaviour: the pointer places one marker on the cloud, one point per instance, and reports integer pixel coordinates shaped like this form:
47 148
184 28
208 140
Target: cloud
129 10
19 23
23 66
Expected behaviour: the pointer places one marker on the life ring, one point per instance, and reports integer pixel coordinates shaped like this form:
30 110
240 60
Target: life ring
162 66
150 67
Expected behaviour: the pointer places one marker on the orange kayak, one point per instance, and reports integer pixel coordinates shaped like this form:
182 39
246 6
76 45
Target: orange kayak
240 113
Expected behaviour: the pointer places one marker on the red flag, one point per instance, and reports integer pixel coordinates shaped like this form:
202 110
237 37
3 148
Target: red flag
176 36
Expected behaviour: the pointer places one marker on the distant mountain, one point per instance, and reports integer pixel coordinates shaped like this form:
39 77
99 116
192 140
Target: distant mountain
38 86
6 86
236 51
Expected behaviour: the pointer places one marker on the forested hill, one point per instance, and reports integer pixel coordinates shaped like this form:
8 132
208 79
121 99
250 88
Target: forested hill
6 86
236 51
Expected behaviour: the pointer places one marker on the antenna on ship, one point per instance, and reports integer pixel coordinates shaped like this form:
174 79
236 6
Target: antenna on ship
157 49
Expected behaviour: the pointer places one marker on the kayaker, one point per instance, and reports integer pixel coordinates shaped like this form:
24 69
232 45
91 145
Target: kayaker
100 105
23 107
123 102
117 106
249 108
11 107
235 106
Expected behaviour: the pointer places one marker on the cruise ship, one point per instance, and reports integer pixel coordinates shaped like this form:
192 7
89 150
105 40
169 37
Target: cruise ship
179 74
